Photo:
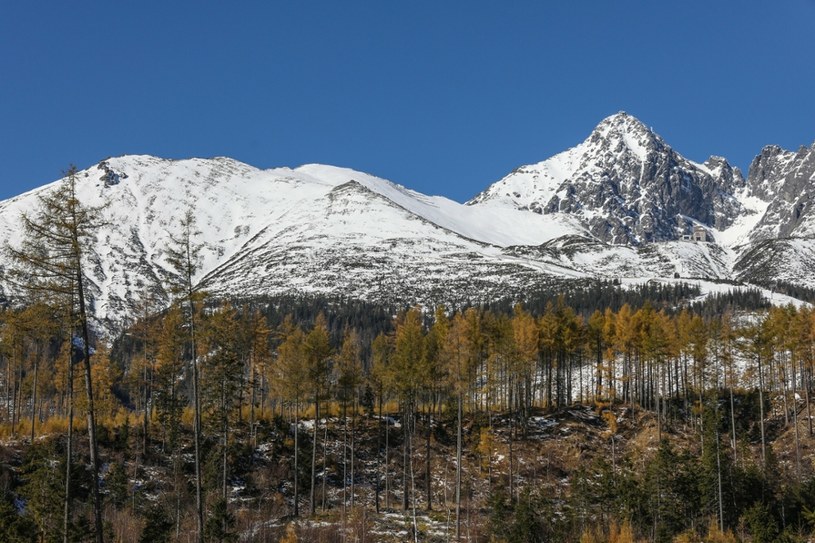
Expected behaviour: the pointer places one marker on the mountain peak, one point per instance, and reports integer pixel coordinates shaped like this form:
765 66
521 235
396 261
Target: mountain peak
622 122
624 131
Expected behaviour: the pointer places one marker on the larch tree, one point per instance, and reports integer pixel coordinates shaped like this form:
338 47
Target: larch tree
171 341
655 341
169 361
408 376
258 356
756 345
349 378
699 353
726 337
596 340
317 348
806 333
460 354
50 265
683 323
547 349
523 356
38 325
610 353
290 379
436 368
146 331
381 354
183 255
625 340
12 350
501 361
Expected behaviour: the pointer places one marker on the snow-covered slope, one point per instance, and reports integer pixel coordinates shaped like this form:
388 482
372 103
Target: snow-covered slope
616 205
311 229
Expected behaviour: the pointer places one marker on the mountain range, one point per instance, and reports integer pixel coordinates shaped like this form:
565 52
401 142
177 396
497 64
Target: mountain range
622 204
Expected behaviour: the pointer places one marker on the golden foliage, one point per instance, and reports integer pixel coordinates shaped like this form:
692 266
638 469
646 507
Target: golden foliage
486 444
290 536
621 534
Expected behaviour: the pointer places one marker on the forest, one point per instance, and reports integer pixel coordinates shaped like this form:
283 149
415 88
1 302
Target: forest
592 415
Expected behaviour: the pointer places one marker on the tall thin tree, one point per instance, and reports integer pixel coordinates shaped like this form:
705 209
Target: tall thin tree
50 263
183 255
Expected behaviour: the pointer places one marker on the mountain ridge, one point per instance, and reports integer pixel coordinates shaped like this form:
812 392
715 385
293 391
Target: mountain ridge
619 204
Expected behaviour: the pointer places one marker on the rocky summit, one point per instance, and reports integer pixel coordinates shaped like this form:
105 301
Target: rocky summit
627 186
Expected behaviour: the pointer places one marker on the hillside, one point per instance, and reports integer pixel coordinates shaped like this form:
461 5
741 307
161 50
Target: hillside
350 422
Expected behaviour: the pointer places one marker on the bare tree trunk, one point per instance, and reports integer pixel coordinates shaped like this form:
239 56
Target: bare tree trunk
199 499
94 450
146 418
428 479
353 454
761 414
511 439
733 422
225 444
458 469
795 421
252 435
719 471
176 470
405 456
387 466
8 388
66 521
806 376
34 396
378 449
312 498
323 495
344 463
296 454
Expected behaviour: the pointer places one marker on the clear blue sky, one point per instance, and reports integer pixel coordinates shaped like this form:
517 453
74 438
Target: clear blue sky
442 96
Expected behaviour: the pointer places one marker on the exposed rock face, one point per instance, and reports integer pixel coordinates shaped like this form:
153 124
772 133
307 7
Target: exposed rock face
786 180
627 184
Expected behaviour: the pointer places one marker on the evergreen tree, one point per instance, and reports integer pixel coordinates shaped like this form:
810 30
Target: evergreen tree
51 265
221 376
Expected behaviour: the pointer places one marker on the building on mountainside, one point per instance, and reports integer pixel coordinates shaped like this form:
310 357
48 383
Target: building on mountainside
699 234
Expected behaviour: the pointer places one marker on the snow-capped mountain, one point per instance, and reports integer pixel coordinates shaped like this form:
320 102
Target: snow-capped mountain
626 185
314 229
621 204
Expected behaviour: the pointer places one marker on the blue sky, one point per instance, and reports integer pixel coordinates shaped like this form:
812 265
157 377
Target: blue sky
443 97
